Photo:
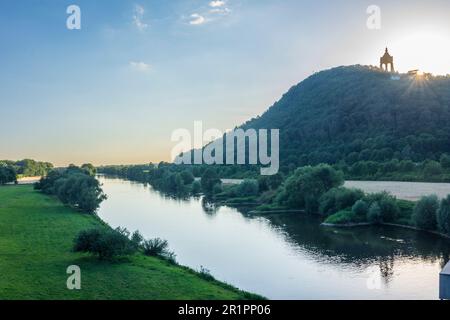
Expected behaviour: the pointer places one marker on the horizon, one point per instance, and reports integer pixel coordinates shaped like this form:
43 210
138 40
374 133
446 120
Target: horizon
112 92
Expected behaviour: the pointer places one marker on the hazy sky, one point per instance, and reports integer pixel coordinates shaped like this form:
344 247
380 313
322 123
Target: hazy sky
114 91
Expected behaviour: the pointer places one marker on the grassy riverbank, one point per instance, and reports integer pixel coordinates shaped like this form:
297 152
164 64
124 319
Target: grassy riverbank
36 237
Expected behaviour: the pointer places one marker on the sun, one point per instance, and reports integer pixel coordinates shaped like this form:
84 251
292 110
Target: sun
428 51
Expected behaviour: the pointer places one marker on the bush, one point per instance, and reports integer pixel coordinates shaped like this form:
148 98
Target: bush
374 213
187 177
105 243
75 187
209 180
443 216
248 188
7 174
360 208
196 187
155 247
205 274
425 213
387 204
303 189
432 168
338 199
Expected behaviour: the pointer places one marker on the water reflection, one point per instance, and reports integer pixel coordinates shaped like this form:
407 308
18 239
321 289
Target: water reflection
286 256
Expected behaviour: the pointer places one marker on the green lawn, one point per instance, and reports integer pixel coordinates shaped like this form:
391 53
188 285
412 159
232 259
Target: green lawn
36 236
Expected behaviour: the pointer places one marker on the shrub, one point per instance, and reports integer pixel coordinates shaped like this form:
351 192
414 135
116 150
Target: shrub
187 177
105 243
248 187
137 239
155 247
432 168
196 187
338 199
209 180
306 185
360 208
443 216
7 174
217 188
75 187
425 213
374 213
205 274
387 204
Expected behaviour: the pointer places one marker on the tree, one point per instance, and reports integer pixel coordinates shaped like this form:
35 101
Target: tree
303 189
445 161
187 177
387 204
374 213
443 216
360 208
196 187
74 186
89 169
7 174
248 187
209 180
425 213
432 168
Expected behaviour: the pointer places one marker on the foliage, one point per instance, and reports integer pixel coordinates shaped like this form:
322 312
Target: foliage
209 180
374 213
338 199
89 169
387 204
303 189
155 247
248 187
360 208
28 167
73 186
344 217
425 213
7 174
443 216
105 243
196 187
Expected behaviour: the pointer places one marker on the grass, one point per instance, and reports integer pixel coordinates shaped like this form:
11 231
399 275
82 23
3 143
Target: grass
36 238
345 217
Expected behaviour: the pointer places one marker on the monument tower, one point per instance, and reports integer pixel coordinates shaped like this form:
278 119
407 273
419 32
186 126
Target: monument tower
387 60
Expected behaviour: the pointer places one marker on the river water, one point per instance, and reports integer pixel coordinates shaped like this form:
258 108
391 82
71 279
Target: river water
284 256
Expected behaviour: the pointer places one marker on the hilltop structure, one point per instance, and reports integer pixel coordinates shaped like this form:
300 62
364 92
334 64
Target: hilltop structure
387 61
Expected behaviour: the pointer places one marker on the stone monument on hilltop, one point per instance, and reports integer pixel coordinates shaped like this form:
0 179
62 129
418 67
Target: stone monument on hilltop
387 60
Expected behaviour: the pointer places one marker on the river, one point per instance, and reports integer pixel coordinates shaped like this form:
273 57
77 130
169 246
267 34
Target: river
284 256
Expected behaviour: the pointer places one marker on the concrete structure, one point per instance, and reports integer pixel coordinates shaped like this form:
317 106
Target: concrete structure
444 283
387 61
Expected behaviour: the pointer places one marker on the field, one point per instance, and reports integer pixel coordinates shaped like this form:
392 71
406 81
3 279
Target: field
36 237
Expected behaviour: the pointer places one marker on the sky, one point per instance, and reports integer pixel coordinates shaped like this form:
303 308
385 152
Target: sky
113 91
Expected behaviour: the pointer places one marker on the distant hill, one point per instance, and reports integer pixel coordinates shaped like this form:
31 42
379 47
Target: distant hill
358 113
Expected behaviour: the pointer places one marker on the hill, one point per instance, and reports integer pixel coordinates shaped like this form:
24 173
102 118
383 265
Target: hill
357 113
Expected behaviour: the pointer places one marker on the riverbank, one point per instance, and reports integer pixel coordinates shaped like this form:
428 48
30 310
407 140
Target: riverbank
36 238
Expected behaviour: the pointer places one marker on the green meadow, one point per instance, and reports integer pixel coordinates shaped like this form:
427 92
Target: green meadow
36 239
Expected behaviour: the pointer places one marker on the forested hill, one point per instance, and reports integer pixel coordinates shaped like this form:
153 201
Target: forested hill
358 113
